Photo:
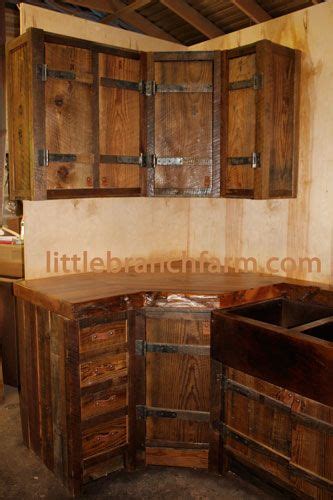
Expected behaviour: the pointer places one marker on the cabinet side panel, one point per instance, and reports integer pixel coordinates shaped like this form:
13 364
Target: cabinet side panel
19 123
283 110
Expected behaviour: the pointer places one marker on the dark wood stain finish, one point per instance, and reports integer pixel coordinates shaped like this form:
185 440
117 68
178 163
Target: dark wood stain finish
109 102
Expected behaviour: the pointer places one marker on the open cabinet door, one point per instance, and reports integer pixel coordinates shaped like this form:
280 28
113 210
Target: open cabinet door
183 123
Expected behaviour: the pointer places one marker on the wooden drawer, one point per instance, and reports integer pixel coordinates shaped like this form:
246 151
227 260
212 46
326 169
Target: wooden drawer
103 336
96 402
104 437
103 368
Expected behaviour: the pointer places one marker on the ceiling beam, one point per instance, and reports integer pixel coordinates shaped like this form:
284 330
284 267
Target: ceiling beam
193 17
252 10
136 4
133 18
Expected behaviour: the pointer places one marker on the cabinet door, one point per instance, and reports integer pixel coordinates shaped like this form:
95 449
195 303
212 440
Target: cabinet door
69 117
260 114
92 106
177 389
120 104
183 124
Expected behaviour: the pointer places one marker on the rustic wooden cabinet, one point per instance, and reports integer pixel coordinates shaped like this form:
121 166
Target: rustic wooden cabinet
260 116
92 120
111 377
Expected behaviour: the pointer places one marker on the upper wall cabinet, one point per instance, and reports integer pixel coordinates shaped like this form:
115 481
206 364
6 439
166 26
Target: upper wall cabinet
260 119
92 120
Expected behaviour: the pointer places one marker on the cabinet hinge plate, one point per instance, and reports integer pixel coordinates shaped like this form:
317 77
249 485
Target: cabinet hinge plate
142 347
253 160
143 412
255 83
43 73
45 157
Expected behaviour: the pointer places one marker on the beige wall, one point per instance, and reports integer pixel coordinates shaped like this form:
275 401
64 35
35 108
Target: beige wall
259 229
67 25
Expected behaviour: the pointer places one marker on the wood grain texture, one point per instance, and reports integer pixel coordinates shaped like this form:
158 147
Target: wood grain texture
104 437
69 109
191 392
197 459
119 122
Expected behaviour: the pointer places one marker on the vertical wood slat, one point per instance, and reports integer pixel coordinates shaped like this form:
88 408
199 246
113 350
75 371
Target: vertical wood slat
33 388
58 388
37 113
140 391
132 382
143 140
23 372
264 122
217 123
216 398
73 406
95 120
43 331
150 124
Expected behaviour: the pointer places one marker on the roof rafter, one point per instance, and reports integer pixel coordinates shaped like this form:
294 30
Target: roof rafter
252 10
193 17
136 4
131 17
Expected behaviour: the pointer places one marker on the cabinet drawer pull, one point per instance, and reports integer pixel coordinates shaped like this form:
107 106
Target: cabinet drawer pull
104 437
102 335
103 402
100 369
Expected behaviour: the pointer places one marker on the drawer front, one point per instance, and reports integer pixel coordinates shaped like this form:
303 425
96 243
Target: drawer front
106 400
104 437
103 368
103 336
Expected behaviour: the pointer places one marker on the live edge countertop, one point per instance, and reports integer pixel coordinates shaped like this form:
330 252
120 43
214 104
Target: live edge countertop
70 295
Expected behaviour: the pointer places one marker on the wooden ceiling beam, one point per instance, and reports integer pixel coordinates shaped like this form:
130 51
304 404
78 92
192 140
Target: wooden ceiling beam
131 17
252 10
193 17
136 4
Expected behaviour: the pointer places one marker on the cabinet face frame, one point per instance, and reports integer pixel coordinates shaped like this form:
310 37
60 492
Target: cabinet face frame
269 179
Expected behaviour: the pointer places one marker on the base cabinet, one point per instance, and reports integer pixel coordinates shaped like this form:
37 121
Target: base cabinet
74 392
141 381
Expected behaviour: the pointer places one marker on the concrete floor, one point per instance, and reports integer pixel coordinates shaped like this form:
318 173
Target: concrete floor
23 476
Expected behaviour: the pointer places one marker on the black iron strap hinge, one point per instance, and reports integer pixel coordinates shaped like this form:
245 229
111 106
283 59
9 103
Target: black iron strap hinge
142 347
143 412
256 83
45 157
43 73
253 160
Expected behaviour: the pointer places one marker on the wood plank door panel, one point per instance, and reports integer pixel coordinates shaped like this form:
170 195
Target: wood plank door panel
177 382
186 124
119 121
69 108
241 120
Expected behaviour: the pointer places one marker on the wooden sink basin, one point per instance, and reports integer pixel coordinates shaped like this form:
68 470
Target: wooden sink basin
286 342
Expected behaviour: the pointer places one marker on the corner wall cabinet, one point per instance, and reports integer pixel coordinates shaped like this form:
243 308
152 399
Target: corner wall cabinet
113 379
92 120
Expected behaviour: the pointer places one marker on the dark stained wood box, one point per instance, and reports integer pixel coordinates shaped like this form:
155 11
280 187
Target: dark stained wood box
89 120
273 362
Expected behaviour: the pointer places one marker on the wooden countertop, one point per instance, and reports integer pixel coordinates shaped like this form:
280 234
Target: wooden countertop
65 294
